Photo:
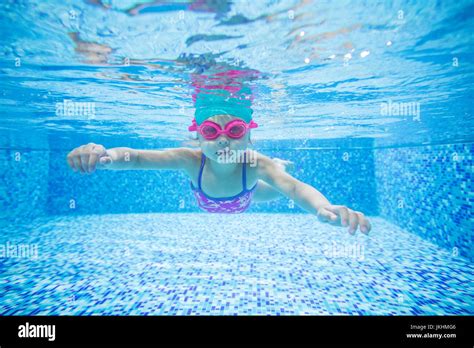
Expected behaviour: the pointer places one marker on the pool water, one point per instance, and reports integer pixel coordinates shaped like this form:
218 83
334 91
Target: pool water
256 264
371 102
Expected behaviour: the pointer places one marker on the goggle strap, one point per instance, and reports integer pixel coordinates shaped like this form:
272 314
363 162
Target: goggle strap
193 126
252 124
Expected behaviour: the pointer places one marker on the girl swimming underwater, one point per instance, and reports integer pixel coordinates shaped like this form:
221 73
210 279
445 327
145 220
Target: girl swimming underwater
225 175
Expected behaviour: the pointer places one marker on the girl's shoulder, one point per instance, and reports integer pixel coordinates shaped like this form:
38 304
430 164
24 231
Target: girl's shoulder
265 163
193 157
192 153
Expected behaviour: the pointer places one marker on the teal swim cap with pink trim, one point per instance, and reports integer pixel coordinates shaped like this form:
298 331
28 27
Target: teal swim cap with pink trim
221 102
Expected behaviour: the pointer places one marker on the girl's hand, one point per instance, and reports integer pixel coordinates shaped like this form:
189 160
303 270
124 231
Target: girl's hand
85 158
339 215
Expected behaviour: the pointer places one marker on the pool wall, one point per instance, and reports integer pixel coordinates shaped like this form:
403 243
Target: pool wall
344 176
429 190
24 178
426 190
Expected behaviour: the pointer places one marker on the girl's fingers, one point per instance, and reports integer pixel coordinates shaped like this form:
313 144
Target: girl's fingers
99 149
92 162
70 161
365 226
348 217
85 158
326 215
85 162
344 214
105 160
77 163
353 222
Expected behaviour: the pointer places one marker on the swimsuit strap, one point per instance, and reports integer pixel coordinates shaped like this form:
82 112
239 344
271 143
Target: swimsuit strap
244 173
203 160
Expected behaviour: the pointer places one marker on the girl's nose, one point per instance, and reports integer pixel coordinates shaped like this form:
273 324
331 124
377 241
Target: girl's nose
223 141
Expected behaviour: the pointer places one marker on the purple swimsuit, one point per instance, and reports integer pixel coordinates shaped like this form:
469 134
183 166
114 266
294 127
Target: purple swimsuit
230 205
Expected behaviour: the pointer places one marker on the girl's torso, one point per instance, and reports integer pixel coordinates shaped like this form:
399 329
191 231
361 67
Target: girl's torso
217 194
220 187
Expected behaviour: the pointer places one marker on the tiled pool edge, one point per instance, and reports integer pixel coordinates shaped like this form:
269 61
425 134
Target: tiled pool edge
429 191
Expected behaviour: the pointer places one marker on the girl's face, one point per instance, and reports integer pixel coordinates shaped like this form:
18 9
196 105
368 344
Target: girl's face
214 148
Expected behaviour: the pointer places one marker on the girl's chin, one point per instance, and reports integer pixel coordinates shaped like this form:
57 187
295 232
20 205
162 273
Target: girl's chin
212 155
215 155
221 152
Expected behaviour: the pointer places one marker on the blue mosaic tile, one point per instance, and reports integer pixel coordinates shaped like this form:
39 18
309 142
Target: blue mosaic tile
256 264
428 191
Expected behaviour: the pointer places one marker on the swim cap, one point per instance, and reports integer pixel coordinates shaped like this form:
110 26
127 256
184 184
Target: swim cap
222 102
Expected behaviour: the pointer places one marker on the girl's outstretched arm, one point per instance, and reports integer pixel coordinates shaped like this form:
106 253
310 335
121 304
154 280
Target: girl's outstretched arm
88 158
308 198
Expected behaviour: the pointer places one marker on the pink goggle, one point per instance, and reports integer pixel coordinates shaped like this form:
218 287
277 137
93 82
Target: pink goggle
235 129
